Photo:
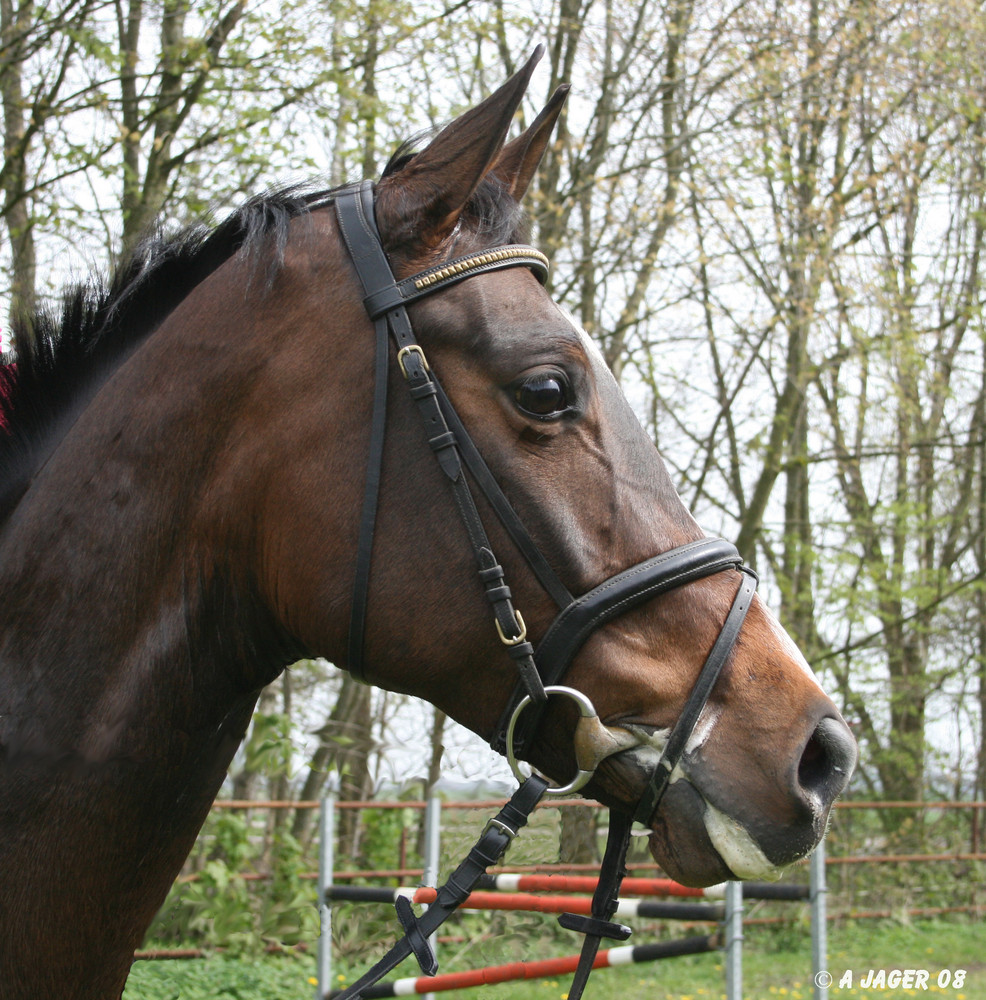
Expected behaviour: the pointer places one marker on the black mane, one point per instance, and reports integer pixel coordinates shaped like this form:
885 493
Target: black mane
101 322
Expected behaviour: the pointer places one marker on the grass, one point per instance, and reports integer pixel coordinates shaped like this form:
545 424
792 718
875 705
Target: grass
776 964
270 978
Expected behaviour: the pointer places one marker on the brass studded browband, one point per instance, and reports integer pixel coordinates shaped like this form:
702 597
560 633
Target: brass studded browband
463 267
402 293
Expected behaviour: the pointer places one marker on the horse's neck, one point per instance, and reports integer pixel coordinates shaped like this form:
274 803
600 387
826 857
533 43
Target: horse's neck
115 739
125 688
134 640
101 606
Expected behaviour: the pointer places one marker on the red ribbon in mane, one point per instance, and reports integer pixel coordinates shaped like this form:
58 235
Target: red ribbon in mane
8 375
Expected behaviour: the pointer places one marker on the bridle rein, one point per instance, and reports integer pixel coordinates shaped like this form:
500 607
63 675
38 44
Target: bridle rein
541 670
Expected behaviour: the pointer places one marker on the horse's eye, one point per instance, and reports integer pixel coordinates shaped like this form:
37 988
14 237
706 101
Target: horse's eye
542 395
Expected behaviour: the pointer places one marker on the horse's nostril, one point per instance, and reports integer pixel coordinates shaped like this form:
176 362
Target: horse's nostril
828 760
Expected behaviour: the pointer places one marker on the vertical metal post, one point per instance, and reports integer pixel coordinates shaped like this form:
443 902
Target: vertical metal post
734 941
433 853
326 862
433 840
819 923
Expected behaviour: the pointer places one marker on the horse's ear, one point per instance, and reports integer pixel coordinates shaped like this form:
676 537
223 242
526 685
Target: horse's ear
422 201
518 160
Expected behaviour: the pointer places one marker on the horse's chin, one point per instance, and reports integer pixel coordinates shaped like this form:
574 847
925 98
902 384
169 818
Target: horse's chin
697 845
695 842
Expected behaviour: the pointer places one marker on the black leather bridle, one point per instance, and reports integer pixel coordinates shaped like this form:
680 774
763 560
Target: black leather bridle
542 669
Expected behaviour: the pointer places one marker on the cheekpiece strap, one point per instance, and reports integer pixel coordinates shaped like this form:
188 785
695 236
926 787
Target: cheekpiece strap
385 300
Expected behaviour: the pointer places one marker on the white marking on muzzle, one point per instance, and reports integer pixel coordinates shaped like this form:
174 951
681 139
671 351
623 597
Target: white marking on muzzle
658 739
731 840
707 721
737 848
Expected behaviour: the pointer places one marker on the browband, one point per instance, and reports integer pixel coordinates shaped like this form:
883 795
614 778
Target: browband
402 293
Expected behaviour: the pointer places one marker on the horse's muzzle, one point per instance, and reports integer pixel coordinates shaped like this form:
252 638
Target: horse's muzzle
705 830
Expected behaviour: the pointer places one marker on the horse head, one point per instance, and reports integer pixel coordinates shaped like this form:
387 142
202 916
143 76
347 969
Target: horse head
769 752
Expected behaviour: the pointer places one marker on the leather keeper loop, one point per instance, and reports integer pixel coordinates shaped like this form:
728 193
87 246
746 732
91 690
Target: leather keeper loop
490 574
383 301
521 650
439 441
422 389
591 925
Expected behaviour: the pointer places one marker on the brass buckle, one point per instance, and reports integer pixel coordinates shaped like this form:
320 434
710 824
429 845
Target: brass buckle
516 640
412 349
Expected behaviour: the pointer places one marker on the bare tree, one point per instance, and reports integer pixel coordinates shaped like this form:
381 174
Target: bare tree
38 50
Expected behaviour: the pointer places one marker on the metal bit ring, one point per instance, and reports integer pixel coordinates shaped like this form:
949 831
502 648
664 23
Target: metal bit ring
586 711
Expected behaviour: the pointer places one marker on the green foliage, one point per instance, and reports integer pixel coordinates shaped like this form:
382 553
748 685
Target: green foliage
273 978
270 747
288 913
383 830
220 907
904 886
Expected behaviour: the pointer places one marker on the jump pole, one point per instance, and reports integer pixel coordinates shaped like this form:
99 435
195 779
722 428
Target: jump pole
433 851
510 882
514 971
819 923
529 903
733 945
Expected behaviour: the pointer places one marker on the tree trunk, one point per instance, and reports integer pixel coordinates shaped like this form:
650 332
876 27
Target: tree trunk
14 24
152 126
434 769
577 838
979 789
346 741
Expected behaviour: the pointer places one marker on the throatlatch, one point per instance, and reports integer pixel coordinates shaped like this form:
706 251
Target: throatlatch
540 670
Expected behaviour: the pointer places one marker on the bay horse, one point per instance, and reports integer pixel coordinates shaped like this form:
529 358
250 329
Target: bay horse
182 514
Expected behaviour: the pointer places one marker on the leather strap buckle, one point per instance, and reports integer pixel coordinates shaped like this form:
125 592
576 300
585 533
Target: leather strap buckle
412 349
512 640
495 824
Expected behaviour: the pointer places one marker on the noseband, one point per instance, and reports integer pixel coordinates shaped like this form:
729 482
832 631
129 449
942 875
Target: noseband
541 670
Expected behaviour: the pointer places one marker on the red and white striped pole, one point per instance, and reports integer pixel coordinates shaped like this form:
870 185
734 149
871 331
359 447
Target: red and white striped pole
529 903
513 971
